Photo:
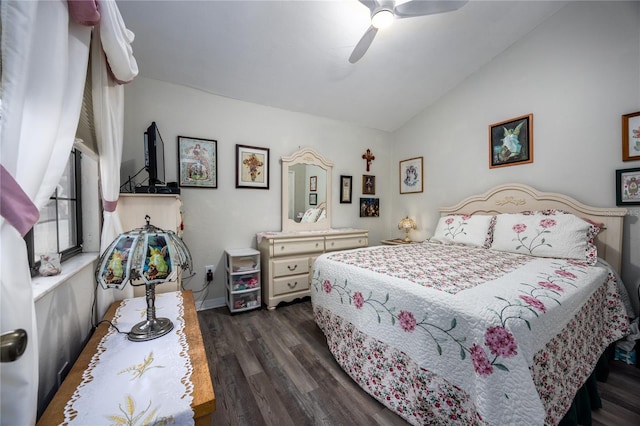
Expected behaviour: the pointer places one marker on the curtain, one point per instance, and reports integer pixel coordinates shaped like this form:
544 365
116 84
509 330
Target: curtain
44 64
112 63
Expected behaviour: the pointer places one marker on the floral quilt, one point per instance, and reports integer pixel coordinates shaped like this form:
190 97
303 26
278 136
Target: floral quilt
447 334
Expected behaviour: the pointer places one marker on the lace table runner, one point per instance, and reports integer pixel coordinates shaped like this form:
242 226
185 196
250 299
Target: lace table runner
135 383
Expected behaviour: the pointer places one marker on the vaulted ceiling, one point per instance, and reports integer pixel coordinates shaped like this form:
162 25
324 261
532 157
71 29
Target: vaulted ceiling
294 54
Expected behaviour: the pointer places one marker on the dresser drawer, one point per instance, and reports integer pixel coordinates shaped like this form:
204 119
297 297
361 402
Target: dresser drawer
292 266
344 243
297 246
290 284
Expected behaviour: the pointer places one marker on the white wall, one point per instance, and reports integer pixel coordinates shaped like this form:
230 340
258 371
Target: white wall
577 73
226 217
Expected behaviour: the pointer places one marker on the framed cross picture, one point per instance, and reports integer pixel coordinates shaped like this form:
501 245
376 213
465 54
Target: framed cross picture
252 167
631 137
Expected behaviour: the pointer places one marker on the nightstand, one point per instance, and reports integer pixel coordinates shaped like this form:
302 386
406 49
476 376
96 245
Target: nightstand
397 242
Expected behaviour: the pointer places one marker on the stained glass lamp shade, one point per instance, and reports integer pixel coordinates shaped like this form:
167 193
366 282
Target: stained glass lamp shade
144 256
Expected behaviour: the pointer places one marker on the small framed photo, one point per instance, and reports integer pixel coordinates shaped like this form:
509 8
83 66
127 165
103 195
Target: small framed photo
411 175
368 185
345 189
252 167
313 199
628 187
369 207
313 183
198 162
511 142
631 137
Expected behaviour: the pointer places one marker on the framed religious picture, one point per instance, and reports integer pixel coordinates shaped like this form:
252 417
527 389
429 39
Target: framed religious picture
313 183
631 137
313 199
252 167
368 185
628 187
369 207
511 142
197 162
411 175
345 189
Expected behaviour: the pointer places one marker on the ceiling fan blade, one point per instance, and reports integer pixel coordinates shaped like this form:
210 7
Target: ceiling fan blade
423 7
363 45
371 4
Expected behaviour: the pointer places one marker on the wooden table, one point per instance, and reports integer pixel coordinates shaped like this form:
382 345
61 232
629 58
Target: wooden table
204 400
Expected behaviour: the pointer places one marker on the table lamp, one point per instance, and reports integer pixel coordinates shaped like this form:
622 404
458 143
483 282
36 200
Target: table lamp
407 224
144 256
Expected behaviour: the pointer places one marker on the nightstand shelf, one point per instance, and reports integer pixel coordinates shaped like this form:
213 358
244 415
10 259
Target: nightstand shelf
397 242
243 289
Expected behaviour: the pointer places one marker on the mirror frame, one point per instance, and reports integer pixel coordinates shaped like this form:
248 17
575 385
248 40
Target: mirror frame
305 156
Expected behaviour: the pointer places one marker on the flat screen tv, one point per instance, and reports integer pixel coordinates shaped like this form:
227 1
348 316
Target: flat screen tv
154 155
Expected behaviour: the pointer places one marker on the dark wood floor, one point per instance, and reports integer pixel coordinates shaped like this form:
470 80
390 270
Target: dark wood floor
274 368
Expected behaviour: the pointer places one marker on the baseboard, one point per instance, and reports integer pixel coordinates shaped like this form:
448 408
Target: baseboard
210 303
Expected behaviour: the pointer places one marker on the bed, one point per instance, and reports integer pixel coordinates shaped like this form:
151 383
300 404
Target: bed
498 319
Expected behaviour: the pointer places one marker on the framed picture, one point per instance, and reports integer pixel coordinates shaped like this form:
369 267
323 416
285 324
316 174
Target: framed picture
628 187
368 184
511 142
345 189
252 167
369 207
631 137
313 199
313 183
411 176
198 162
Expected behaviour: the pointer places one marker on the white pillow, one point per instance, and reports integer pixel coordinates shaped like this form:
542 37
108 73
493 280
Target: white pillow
549 233
311 215
473 230
323 215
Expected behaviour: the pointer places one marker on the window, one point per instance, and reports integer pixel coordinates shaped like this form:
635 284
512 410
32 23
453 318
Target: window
59 229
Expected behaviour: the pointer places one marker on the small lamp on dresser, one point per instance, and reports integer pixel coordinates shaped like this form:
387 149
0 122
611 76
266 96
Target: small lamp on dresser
144 256
407 224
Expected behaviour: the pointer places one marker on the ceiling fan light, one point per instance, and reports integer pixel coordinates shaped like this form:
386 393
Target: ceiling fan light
382 18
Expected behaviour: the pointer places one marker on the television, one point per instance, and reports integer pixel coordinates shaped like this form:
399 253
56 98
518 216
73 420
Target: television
154 155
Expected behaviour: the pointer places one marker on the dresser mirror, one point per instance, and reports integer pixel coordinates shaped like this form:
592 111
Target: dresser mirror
306 191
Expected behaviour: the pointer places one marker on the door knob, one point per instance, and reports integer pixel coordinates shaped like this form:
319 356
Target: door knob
12 345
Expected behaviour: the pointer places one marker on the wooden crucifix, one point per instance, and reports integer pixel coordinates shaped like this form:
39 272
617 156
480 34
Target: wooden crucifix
369 157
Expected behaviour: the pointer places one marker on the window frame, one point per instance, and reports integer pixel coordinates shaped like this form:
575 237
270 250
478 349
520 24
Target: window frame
68 253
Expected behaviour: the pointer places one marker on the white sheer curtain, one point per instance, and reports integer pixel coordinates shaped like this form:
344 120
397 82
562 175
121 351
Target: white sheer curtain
110 51
44 60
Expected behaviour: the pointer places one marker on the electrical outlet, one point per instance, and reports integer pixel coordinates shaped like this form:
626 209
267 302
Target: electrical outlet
209 271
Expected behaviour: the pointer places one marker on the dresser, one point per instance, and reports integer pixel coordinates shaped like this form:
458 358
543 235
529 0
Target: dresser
287 259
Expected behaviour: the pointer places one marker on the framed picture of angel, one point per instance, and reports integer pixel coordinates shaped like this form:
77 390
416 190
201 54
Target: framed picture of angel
198 162
511 142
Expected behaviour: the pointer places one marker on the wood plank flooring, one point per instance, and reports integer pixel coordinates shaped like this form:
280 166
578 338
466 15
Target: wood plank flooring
274 368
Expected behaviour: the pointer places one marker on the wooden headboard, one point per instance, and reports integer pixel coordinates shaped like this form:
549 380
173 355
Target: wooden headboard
516 198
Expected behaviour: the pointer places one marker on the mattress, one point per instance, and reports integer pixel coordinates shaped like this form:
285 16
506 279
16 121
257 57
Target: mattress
451 334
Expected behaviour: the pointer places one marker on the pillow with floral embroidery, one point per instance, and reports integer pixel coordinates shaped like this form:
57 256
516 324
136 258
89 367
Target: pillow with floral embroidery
311 215
549 233
472 230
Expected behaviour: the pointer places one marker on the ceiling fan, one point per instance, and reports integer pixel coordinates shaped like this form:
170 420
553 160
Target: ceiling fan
383 12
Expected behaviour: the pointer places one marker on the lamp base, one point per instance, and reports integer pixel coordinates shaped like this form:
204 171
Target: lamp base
150 329
407 239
